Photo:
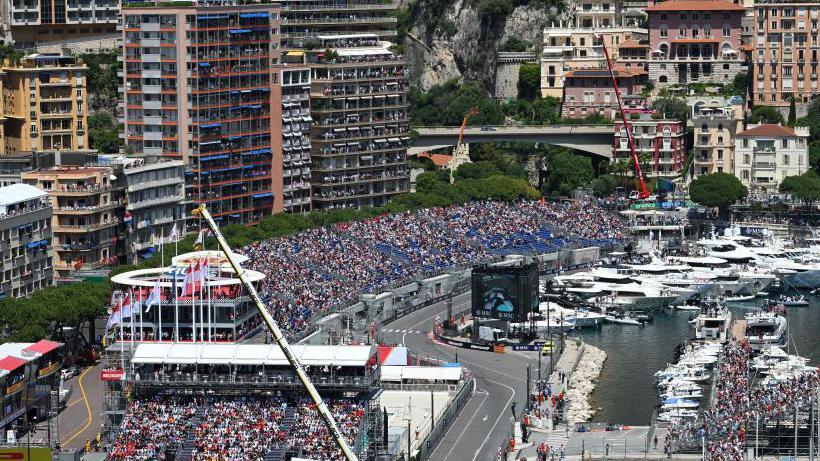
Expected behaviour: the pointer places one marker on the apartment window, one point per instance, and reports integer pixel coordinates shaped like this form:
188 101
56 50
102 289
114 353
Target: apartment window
707 15
745 142
707 30
774 25
682 31
694 15
745 159
727 30
664 31
663 17
786 160
720 154
744 174
683 16
787 71
785 143
726 15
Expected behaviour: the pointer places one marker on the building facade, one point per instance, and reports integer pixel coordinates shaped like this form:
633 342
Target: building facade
296 123
597 13
715 123
59 23
590 91
659 143
694 41
785 52
632 54
571 48
45 104
201 85
25 241
154 195
360 123
86 216
766 154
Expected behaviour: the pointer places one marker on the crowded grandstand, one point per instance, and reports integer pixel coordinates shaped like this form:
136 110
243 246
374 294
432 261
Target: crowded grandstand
314 271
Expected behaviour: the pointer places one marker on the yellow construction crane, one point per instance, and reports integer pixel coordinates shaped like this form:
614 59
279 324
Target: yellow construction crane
327 417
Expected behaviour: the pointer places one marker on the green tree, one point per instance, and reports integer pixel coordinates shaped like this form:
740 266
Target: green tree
604 185
805 187
717 190
103 83
494 11
446 104
529 81
739 85
477 170
814 155
515 44
103 133
672 107
567 171
792 111
765 114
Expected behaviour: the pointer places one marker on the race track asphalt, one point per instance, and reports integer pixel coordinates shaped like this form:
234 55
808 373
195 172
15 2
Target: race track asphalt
500 380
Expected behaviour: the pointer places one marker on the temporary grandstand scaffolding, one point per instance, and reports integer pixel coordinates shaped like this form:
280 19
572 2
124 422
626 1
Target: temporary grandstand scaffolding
116 388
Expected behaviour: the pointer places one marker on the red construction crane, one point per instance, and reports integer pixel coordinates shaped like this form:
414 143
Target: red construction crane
643 192
470 112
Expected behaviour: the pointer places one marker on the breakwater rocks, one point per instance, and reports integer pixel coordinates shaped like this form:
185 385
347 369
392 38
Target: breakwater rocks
582 382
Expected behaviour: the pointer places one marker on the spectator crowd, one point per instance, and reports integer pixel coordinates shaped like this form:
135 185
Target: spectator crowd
314 271
240 428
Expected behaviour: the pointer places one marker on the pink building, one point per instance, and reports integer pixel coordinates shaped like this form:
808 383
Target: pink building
589 91
694 41
662 140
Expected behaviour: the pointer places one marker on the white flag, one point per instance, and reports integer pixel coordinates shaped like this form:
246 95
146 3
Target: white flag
200 240
174 233
154 297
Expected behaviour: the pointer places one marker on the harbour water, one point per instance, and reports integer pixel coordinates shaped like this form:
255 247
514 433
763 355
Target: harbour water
626 392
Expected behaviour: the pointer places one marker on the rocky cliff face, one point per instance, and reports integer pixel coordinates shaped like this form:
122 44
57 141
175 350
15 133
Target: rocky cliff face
459 39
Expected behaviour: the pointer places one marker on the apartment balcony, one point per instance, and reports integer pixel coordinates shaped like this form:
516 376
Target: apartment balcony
72 228
79 191
339 20
327 7
167 200
703 161
88 210
764 165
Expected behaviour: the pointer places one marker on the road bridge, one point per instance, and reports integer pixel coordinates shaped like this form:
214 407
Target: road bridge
593 139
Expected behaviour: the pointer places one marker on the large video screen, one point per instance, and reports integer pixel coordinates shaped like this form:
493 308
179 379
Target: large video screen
504 293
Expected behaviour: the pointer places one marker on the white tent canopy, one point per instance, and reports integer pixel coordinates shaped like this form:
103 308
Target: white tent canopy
401 373
250 354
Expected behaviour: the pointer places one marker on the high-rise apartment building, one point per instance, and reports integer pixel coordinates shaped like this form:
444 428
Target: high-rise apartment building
694 41
296 122
86 216
785 52
25 241
59 23
45 104
202 86
360 122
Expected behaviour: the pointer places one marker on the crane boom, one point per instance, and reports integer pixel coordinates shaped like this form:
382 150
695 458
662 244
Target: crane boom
467 115
643 192
327 417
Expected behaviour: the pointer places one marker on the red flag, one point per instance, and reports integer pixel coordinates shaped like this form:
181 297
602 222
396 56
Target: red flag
196 276
188 284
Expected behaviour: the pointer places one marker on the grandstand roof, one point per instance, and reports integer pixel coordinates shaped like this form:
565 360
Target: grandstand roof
251 354
399 373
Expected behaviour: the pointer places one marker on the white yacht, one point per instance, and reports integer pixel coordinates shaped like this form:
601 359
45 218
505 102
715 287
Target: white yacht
622 290
713 323
764 329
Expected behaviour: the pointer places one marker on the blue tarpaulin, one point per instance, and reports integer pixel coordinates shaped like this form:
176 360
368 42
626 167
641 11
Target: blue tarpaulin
266 194
214 157
212 16
253 15
33 244
210 125
204 64
239 31
252 152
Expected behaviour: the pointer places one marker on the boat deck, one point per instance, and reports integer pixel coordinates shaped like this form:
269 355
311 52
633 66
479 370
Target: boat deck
739 330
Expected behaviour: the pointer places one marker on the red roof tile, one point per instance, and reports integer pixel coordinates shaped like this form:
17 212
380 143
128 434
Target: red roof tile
768 130
695 5
440 160
42 347
11 363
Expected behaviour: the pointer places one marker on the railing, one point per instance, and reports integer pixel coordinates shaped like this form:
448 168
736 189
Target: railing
193 379
437 432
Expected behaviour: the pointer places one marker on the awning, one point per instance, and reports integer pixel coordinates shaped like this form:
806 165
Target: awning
247 167
264 151
236 216
33 244
393 139
307 119
204 64
266 194
239 31
42 347
147 254
11 363
253 15
252 152
380 140
211 125
295 53
214 157
212 16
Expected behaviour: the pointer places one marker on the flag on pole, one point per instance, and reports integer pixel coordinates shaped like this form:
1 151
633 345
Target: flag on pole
203 272
114 318
174 233
196 276
154 297
200 240
188 283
